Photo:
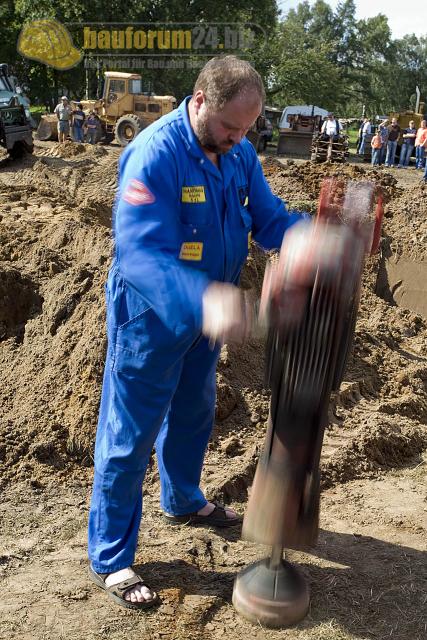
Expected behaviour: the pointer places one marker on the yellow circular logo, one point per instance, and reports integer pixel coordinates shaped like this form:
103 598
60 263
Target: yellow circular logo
48 41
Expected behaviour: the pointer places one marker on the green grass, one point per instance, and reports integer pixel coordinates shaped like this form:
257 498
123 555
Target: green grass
353 135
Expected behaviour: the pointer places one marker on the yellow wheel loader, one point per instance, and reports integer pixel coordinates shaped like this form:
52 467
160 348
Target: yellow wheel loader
123 111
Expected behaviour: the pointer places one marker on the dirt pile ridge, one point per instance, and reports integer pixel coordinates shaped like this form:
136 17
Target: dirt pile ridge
55 247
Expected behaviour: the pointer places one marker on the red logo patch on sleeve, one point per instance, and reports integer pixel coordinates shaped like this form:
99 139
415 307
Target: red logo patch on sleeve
138 193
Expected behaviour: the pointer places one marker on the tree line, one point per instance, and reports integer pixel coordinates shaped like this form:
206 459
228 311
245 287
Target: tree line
313 55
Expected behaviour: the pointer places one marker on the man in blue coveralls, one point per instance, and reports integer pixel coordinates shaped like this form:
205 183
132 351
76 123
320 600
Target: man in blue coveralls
191 194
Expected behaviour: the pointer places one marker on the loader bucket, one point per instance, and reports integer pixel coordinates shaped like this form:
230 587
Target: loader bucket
295 144
48 128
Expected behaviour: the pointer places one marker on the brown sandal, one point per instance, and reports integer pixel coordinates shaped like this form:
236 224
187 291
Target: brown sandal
118 591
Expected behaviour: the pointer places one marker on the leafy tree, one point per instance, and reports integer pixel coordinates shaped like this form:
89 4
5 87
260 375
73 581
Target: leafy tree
302 71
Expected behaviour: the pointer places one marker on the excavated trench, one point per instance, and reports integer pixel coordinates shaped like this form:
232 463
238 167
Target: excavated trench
403 282
402 274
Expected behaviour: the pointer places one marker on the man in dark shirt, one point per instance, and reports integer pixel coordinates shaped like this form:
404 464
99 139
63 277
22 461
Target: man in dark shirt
409 135
393 137
78 121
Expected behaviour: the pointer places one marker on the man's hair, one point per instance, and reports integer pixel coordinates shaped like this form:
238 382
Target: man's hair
225 77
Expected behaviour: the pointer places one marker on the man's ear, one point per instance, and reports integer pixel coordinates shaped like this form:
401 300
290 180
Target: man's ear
198 100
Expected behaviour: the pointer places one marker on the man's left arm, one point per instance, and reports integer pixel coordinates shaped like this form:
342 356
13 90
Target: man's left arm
270 216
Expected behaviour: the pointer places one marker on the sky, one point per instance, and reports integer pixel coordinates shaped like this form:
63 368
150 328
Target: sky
401 21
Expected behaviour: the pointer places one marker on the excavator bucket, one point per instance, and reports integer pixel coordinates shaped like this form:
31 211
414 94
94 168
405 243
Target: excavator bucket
48 128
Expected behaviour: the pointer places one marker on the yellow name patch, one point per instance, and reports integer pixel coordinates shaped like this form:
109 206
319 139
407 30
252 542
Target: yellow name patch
191 251
246 202
193 194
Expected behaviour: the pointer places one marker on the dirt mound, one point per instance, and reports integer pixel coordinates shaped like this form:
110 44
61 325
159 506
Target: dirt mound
55 217
299 184
71 149
387 445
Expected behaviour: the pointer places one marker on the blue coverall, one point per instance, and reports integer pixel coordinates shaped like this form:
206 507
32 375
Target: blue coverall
180 223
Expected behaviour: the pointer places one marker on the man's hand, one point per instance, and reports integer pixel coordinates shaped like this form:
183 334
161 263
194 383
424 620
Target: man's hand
226 315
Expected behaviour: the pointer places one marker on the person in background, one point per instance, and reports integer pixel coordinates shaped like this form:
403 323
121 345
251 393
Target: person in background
364 131
91 127
330 128
78 122
383 133
376 145
63 112
393 137
420 140
409 135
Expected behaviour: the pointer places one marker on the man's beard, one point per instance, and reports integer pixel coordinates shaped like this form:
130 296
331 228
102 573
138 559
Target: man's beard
206 138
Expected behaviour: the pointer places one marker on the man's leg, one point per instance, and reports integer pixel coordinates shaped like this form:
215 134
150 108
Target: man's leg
419 157
387 155
402 156
136 395
182 441
131 414
391 152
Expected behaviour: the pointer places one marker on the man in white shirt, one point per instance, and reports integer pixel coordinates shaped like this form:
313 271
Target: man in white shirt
63 112
330 128
364 131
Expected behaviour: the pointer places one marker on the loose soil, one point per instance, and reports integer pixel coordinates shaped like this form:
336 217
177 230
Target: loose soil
368 571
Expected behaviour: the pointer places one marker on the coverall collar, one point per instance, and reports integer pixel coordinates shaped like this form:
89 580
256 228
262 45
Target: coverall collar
228 161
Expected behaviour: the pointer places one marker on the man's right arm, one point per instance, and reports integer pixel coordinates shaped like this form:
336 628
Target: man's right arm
148 240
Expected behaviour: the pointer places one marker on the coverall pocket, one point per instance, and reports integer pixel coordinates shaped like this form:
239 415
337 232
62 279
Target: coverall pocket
196 214
146 348
133 335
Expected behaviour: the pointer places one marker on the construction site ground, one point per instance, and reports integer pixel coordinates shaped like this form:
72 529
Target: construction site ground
368 572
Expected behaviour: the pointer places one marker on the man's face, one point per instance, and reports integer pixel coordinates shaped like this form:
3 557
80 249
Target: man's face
218 131
394 121
411 124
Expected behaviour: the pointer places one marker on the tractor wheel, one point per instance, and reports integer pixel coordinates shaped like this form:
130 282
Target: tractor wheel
127 128
19 150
